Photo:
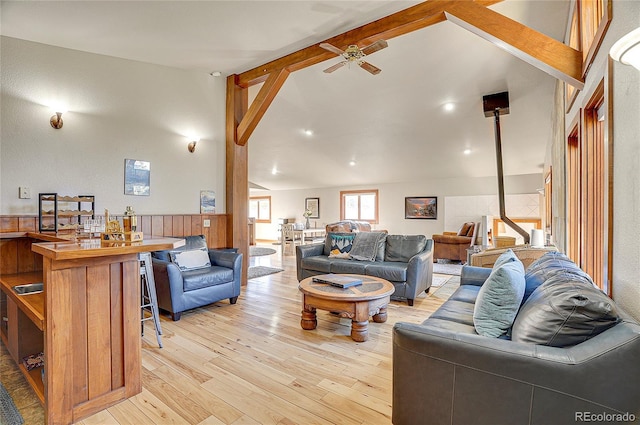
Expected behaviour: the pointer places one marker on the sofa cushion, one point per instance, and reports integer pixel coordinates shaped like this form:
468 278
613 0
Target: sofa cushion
547 266
212 276
318 263
455 311
365 246
345 266
403 247
191 260
565 310
393 271
338 244
499 299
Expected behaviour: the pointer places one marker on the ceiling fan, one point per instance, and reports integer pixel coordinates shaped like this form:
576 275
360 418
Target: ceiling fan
354 54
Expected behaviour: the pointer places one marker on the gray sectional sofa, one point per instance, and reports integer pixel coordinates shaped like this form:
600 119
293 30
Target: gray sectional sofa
404 260
570 356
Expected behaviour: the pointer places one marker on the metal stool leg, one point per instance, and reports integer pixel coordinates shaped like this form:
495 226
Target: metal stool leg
149 297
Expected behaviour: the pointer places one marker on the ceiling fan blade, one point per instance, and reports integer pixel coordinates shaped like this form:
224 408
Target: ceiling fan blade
336 66
331 48
372 48
370 68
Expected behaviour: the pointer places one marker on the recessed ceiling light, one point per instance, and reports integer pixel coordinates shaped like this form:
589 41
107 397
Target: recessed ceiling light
449 106
466 151
352 163
274 171
308 132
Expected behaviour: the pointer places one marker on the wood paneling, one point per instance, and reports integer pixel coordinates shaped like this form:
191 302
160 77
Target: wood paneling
217 235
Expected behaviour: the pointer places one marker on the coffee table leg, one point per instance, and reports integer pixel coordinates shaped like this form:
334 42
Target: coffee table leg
309 321
359 331
381 317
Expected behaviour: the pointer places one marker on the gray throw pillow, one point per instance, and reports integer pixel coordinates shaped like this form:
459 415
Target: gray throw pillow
565 310
382 243
499 299
402 247
505 257
546 267
365 246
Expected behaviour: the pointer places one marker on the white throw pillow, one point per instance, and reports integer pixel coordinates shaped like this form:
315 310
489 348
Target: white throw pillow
191 260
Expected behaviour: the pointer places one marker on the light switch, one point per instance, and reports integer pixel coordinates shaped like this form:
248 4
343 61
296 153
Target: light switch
24 193
206 223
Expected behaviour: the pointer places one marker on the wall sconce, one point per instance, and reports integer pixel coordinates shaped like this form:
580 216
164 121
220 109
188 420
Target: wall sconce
192 146
627 49
56 120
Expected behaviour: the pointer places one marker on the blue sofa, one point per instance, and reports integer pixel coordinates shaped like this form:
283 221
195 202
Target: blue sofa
179 290
570 356
405 261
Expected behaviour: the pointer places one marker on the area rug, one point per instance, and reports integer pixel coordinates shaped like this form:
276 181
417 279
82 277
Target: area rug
257 251
439 279
259 271
9 413
450 269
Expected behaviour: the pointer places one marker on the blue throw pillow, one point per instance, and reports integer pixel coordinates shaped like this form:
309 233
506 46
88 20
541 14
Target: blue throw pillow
499 299
506 257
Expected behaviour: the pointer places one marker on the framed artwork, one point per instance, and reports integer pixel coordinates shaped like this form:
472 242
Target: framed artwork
421 207
313 205
207 202
137 177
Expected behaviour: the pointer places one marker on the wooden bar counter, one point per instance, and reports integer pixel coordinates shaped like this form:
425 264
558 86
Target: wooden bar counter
87 321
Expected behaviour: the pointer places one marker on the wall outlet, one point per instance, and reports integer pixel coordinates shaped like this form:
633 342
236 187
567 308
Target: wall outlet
24 193
206 223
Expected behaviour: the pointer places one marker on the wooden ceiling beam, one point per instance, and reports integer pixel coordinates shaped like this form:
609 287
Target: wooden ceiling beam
405 21
260 104
543 52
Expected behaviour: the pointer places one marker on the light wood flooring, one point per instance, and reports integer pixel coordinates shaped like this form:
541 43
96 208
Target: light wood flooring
251 363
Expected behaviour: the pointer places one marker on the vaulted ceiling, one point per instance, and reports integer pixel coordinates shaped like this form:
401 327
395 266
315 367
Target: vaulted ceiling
392 125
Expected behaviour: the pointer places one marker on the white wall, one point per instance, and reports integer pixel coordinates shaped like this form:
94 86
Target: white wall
290 203
117 109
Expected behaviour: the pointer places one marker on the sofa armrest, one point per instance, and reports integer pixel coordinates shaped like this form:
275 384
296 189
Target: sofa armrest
453 239
305 251
575 372
472 275
450 233
420 271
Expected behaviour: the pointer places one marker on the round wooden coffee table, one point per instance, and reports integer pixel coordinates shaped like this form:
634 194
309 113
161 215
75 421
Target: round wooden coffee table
357 303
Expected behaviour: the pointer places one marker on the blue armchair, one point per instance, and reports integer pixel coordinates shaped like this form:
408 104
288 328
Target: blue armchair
183 287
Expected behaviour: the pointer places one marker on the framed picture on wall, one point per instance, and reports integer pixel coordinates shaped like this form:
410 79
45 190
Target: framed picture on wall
421 207
137 177
313 205
207 202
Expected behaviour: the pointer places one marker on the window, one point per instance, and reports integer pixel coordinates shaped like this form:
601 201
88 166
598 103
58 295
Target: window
359 205
260 208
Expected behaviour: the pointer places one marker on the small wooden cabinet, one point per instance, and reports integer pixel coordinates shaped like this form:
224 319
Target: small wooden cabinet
56 212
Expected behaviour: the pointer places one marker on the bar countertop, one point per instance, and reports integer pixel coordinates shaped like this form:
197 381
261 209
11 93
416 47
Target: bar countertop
87 248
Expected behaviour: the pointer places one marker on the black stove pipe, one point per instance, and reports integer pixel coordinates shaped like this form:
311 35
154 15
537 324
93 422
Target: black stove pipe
503 215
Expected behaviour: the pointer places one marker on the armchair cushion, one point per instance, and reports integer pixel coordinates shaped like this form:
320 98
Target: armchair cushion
192 280
466 229
191 260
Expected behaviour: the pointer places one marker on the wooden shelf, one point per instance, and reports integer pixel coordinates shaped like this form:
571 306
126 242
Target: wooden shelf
34 377
33 304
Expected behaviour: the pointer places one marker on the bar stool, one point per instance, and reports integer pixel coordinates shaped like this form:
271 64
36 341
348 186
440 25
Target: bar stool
148 295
